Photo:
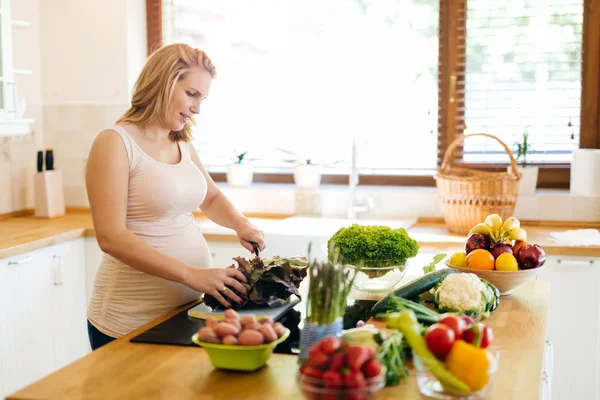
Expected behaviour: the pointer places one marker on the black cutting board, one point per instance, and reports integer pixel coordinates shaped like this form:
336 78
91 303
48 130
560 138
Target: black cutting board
176 330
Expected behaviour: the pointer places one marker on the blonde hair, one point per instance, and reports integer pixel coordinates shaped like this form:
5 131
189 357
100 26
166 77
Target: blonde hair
154 87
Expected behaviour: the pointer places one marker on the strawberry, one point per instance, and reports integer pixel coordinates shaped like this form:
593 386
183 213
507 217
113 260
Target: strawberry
313 372
332 379
357 356
314 349
354 380
372 368
337 362
318 360
330 344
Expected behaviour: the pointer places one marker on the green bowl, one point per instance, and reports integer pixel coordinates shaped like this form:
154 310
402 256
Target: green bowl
239 358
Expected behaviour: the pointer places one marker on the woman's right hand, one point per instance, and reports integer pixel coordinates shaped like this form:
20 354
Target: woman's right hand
217 283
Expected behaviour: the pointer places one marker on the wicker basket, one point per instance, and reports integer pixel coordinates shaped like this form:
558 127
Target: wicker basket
469 195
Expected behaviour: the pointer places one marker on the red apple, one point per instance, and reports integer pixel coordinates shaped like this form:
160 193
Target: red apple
531 256
478 241
501 248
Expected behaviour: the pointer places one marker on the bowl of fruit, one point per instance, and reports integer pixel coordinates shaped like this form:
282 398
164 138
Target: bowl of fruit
453 359
498 251
339 370
240 343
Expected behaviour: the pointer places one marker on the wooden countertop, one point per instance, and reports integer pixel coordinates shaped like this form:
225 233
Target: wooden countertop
133 370
22 234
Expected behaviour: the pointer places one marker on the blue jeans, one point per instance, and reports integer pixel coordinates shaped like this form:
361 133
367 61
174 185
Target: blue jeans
97 338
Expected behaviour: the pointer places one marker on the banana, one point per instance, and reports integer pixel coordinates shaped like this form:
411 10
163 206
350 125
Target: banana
517 234
481 228
510 223
495 221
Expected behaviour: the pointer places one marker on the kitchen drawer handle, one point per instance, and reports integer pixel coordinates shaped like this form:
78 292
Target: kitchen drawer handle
58 270
578 262
549 364
22 261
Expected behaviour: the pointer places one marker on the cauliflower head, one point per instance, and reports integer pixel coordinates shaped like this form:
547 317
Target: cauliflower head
465 294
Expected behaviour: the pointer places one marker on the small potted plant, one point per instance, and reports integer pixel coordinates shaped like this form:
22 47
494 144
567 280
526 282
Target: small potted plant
240 172
307 174
529 179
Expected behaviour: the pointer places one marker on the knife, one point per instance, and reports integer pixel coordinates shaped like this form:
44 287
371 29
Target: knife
40 161
49 159
255 246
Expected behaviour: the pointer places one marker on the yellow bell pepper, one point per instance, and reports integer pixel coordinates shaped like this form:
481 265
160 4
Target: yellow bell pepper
470 364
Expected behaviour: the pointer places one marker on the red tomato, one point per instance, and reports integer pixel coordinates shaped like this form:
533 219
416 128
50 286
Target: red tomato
487 334
454 322
330 344
372 368
469 320
439 338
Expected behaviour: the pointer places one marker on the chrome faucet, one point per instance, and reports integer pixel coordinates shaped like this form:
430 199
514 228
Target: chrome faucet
354 207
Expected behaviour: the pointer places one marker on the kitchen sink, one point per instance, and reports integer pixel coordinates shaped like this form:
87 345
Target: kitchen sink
315 226
291 236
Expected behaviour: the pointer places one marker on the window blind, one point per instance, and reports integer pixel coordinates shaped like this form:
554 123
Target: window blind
522 73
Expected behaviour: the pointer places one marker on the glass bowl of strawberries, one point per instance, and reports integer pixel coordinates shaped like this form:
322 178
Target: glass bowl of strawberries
338 370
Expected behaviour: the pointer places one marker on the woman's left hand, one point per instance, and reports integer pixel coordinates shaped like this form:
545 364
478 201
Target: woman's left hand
249 233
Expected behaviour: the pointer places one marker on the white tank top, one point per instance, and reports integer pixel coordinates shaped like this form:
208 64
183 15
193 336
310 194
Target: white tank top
160 201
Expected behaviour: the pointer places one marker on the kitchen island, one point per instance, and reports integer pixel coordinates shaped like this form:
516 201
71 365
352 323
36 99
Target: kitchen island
134 371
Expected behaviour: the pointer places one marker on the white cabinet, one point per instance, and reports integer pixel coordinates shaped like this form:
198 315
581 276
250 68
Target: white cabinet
93 258
26 336
42 324
70 324
223 253
574 326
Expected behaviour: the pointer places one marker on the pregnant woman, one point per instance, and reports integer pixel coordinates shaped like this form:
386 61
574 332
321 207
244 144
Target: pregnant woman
144 179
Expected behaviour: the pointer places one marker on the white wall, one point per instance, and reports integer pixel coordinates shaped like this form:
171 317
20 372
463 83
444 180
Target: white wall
84 51
92 52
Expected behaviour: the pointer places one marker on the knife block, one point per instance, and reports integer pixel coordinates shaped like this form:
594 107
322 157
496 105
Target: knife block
49 197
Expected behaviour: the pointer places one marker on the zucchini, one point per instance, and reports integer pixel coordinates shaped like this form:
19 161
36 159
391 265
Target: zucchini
414 288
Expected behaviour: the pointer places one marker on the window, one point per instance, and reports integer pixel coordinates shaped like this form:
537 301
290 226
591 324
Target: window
311 76
403 78
7 84
523 73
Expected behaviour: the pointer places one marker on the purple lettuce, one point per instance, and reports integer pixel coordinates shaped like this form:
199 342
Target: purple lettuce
270 281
